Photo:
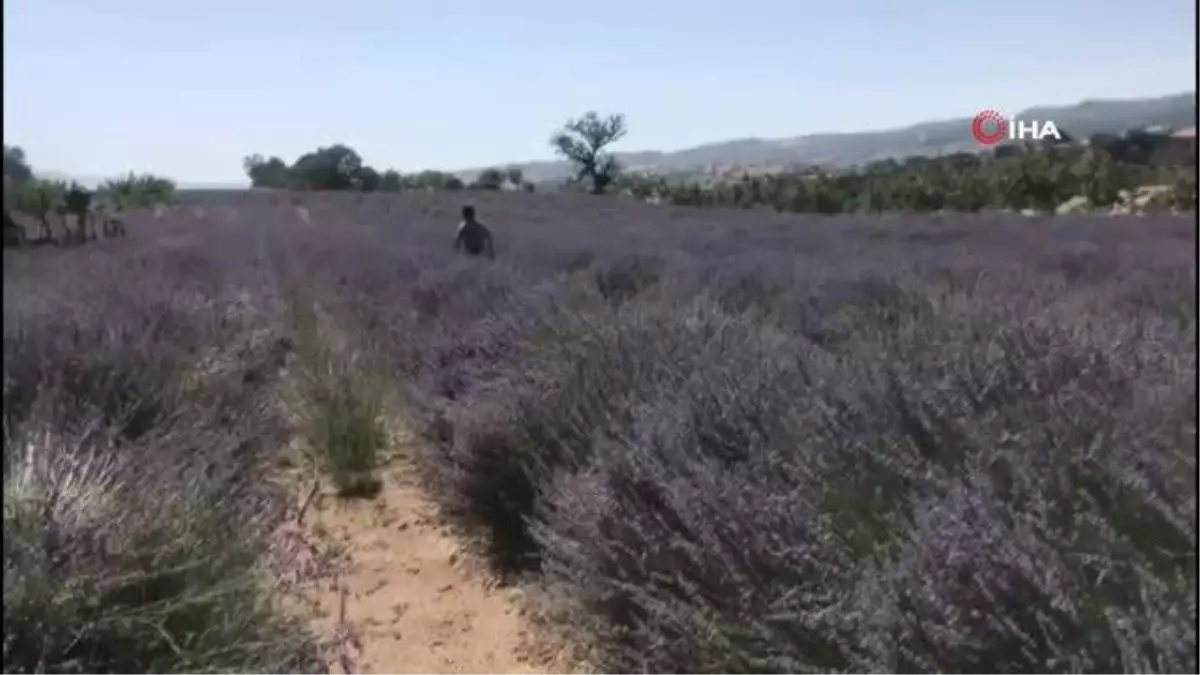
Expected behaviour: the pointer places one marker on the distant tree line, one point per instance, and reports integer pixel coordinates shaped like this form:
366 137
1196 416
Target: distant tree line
25 191
340 167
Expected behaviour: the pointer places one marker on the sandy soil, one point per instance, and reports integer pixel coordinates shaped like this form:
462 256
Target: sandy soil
415 600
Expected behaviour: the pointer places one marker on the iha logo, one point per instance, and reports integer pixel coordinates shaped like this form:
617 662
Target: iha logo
990 127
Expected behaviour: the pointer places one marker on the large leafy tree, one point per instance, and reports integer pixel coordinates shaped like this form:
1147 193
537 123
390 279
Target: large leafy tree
16 168
266 173
336 167
391 181
584 141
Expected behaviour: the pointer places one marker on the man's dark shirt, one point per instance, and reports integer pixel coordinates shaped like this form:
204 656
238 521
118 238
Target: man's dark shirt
474 237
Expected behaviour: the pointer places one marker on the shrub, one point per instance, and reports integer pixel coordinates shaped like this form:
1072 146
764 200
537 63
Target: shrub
345 428
140 190
115 562
137 521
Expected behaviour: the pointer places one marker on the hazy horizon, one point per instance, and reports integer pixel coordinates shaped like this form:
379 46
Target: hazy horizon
188 91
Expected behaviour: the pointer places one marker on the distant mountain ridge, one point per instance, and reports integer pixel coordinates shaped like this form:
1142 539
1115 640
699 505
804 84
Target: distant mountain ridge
1176 111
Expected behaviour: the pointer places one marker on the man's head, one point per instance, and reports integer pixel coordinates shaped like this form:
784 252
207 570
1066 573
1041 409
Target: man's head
468 212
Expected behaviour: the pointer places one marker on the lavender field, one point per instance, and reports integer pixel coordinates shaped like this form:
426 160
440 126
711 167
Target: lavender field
719 440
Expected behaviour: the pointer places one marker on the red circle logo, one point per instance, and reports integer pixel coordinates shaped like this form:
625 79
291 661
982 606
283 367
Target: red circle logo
989 127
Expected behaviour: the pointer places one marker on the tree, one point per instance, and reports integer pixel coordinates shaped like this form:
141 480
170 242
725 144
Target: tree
1098 177
336 167
16 168
583 143
138 190
489 179
77 202
17 174
266 173
368 179
391 181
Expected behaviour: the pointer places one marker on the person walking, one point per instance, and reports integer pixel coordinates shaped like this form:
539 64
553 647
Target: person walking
473 236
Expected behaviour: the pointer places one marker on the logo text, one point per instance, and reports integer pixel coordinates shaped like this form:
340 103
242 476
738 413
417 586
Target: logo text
990 127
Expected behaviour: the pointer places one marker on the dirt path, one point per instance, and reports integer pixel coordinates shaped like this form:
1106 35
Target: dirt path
415 601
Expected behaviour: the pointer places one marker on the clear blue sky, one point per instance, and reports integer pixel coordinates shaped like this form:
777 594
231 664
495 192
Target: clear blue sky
187 89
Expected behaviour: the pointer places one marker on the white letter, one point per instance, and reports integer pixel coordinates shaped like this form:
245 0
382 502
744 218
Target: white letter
1023 128
1049 129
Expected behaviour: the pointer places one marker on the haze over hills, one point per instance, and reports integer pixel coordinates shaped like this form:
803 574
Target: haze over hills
1083 119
